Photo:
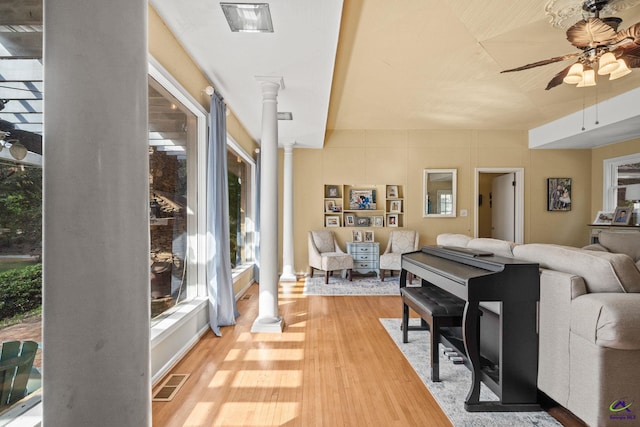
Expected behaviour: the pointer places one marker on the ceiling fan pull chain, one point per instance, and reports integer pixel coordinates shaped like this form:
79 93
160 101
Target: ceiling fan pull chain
597 122
583 107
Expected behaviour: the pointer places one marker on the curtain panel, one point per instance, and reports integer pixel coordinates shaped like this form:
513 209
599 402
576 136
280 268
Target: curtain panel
222 302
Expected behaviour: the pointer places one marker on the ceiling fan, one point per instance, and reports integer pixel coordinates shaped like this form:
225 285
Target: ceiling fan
602 46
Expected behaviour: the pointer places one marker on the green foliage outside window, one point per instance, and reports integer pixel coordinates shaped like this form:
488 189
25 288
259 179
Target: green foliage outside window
21 207
20 291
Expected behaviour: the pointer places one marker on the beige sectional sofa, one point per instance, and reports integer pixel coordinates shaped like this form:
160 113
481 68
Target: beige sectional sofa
589 323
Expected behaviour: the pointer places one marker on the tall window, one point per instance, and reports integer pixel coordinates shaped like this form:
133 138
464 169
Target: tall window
171 127
240 171
618 173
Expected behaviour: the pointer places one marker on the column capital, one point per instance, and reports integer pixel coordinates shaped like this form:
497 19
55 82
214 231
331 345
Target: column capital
288 146
270 85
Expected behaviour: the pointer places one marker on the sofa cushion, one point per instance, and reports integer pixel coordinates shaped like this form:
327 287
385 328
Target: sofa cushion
622 243
602 271
607 320
495 246
452 239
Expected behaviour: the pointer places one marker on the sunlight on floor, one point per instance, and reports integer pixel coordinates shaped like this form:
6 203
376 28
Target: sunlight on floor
267 378
270 414
273 355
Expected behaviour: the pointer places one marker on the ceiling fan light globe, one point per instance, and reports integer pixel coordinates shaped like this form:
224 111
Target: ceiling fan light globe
574 75
607 64
622 70
588 79
18 151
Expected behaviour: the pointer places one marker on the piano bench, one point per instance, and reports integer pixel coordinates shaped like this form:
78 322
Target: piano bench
436 307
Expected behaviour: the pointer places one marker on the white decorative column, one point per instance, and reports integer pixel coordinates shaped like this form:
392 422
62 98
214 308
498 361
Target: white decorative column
96 324
288 270
268 319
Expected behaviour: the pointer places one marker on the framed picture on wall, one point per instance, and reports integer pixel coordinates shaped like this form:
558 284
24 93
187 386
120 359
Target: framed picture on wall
378 221
392 220
392 191
396 206
558 194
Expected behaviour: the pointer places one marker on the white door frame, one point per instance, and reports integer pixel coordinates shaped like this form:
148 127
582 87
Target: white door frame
519 190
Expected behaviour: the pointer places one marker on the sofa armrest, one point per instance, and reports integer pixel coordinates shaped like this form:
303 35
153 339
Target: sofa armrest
557 291
609 320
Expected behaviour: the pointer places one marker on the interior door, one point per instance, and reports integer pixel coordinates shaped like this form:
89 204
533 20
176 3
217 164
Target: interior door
503 207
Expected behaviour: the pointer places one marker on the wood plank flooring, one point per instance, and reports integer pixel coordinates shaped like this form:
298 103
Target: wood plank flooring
334 365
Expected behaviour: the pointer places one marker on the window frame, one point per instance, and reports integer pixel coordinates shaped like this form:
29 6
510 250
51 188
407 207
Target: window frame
610 179
250 214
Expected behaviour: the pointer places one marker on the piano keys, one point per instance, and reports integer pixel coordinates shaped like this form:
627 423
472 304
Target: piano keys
498 337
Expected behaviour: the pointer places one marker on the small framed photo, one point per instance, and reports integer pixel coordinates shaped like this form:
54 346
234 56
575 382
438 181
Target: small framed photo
392 191
368 237
329 205
622 216
392 220
558 194
363 221
349 221
603 218
332 191
332 221
396 206
356 236
378 221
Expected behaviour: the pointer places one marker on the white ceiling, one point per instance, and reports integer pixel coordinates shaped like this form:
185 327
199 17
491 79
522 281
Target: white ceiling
377 64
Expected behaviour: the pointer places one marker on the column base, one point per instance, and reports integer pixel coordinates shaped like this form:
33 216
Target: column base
288 277
268 324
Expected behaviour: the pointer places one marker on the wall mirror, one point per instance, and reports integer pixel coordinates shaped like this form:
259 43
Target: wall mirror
439 191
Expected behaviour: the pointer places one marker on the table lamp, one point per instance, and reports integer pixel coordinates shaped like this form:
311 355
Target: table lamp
633 194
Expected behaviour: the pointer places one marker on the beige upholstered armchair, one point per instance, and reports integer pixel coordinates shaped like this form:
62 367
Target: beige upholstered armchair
326 255
400 242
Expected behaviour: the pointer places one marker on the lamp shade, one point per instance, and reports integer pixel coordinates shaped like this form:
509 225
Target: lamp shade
607 64
622 70
574 75
632 192
17 150
588 78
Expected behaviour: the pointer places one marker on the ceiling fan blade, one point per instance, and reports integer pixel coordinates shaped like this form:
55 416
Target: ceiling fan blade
631 55
589 33
632 34
544 62
558 78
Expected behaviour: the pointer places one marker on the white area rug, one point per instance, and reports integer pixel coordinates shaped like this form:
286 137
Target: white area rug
455 383
359 286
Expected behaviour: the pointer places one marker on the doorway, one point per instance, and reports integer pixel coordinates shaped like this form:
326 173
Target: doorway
499 193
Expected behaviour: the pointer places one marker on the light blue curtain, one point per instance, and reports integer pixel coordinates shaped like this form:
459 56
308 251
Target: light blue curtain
256 266
222 302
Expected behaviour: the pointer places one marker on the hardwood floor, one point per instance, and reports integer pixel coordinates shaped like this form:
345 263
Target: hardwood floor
334 365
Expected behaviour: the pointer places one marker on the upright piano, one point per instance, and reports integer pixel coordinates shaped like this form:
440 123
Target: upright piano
498 338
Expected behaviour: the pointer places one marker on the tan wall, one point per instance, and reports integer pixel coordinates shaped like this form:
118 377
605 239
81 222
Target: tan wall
164 47
399 157
599 155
